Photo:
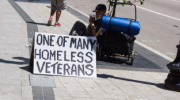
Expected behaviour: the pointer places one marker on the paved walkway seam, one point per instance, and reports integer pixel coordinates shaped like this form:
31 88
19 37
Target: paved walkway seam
31 28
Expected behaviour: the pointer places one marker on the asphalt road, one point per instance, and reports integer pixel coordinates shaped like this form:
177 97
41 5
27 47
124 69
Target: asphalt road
159 19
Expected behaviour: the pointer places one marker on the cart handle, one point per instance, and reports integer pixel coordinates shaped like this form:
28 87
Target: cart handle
128 4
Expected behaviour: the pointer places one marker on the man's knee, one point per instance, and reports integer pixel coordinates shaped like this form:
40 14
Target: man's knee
74 28
77 23
79 28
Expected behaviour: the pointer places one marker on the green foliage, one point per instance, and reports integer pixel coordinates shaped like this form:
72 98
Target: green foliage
110 2
127 1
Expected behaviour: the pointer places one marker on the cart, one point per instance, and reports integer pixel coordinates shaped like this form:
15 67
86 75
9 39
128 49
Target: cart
117 43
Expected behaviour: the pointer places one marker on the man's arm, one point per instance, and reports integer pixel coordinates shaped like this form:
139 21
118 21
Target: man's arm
93 29
89 27
91 21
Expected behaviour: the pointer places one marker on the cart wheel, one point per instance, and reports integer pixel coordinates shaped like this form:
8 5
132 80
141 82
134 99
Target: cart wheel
132 57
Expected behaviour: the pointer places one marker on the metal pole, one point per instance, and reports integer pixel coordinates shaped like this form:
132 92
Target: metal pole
114 8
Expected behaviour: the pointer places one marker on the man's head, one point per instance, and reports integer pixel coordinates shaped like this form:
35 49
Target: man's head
100 11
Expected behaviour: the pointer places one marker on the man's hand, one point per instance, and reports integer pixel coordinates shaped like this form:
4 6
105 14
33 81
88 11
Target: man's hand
91 20
93 29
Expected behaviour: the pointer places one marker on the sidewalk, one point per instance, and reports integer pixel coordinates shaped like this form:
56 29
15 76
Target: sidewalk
14 75
111 84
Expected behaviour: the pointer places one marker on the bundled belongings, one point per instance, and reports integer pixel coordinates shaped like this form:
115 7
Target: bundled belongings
120 35
118 42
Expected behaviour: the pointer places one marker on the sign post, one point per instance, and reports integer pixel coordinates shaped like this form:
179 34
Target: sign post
64 55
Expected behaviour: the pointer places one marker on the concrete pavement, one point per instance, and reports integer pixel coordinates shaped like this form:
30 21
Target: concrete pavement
111 84
14 58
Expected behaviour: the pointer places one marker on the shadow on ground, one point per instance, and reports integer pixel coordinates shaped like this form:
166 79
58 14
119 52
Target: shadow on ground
33 1
140 62
45 24
105 76
22 61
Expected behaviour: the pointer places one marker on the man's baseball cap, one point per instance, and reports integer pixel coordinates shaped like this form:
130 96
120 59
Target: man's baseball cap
100 7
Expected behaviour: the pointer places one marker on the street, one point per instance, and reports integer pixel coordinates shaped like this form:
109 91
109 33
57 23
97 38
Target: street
111 79
159 19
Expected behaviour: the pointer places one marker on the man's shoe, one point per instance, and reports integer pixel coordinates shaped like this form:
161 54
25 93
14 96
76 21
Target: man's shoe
57 24
49 21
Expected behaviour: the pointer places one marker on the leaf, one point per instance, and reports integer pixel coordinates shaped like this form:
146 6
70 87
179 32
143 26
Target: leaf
124 1
129 2
142 2
110 2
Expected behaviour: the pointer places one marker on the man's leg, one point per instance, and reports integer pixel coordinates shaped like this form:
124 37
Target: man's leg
75 29
53 9
51 17
79 29
58 13
52 13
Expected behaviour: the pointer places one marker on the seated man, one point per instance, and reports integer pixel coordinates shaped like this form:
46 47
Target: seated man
79 29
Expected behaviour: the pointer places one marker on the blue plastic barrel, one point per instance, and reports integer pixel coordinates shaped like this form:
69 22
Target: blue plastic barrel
121 25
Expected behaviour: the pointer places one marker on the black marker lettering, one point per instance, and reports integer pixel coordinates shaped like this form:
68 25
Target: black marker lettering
72 56
85 44
39 42
58 55
47 57
80 57
79 44
92 43
35 53
59 68
89 57
65 56
73 69
73 41
87 67
52 54
45 40
47 63
65 41
60 40
66 69
40 69
81 69
53 65
51 40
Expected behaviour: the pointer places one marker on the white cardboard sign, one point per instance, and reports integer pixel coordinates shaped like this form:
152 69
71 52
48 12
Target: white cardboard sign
64 55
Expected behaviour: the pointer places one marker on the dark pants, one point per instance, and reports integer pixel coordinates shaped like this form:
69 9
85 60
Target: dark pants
79 29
